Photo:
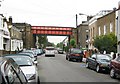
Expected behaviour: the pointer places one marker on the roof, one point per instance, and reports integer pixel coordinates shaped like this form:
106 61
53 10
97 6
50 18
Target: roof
49 47
100 14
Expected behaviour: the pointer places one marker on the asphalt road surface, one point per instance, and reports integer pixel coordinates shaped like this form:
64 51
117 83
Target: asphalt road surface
58 69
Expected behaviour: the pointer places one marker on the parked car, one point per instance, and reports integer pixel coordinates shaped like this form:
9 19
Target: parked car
60 51
98 62
74 53
23 54
28 67
115 67
39 51
31 51
10 72
50 51
30 55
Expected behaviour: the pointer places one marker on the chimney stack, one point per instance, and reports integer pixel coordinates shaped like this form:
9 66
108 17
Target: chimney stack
10 20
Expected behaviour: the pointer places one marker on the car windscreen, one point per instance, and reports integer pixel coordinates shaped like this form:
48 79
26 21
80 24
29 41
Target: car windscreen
118 59
49 48
76 51
103 57
28 54
23 61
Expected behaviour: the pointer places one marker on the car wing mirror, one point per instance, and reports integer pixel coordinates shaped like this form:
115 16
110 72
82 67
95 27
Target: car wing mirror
94 58
35 62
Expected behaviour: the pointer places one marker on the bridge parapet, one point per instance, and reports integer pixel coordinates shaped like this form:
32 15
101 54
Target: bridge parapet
52 30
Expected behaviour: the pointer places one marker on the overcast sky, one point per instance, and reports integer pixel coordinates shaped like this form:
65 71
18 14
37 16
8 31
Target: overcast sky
53 12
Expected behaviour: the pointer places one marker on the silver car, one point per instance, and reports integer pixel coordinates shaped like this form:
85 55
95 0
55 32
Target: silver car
50 51
28 67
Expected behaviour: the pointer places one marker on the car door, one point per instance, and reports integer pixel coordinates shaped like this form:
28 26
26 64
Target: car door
117 64
89 60
68 53
93 61
11 75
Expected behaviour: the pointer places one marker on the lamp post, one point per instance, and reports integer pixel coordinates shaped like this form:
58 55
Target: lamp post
77 36
79 40
77 29
76 20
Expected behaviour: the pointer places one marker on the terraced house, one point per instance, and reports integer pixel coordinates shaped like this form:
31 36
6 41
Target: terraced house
4 35
10 37
103 23
16 42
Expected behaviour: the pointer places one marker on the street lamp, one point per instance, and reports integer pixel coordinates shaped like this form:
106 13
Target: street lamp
77 25
82 14
88 18
77 28
76 20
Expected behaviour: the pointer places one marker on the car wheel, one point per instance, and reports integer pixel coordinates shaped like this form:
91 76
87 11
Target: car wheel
112 73
81 59
66 58
77 60
98 69
69 59
87 65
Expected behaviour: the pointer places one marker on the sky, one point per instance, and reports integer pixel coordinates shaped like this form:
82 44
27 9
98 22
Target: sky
53 12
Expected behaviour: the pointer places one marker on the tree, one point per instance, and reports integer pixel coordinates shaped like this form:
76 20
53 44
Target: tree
60 45
106 42
42 41
73 42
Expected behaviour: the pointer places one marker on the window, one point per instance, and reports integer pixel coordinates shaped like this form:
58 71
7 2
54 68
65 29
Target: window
87 37
12 45
1 22
93 32
99 31
22 76
111 27
12 76
118 59
76 51
105 29
103 57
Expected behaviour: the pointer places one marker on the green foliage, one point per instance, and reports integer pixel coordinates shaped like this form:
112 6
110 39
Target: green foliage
42 41
66 48
72 42
60 45
50 44
106 42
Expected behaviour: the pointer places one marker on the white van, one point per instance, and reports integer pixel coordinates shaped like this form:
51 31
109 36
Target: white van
50 51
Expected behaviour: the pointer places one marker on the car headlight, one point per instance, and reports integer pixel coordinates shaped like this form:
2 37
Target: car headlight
103 65
30 76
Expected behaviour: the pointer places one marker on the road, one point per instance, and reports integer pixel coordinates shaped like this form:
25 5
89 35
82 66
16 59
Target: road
57 69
